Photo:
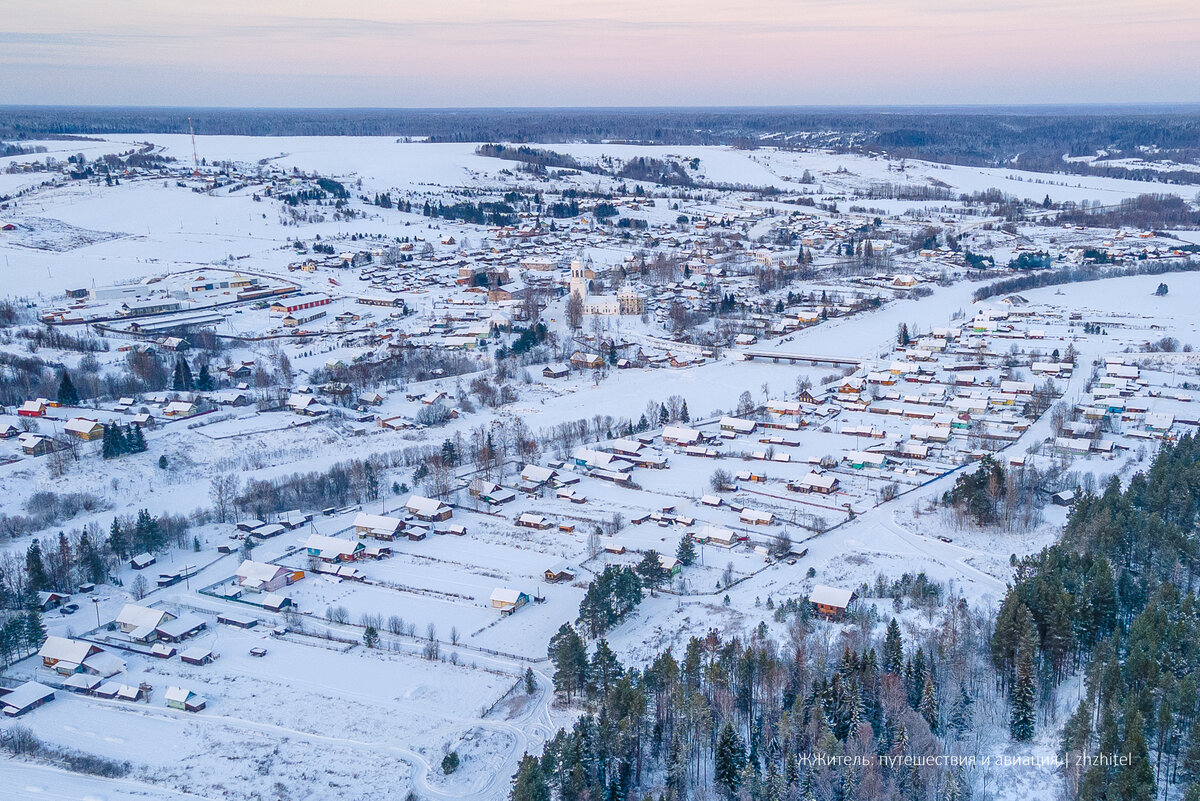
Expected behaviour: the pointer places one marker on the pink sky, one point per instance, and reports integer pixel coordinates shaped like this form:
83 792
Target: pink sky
619 52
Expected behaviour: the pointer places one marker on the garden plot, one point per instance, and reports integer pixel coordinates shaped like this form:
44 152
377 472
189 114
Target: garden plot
366 714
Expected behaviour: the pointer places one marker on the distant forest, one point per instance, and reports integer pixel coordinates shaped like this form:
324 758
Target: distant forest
1037 138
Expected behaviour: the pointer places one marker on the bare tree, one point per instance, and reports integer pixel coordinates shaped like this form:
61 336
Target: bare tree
223 491
575 311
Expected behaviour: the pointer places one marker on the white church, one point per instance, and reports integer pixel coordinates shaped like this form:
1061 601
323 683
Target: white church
626 301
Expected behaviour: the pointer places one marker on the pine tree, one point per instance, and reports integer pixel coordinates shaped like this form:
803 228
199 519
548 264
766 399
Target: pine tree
1023 718
1077 731
1135 781
569 657
177 382
728 762
529 784
67 395
683 413
663 417
604 670
186 373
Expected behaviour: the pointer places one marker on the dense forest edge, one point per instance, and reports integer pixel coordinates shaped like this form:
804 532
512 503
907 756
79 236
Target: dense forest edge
1035 139
1090 665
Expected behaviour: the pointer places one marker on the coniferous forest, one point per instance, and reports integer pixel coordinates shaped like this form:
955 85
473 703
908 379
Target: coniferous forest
1089 666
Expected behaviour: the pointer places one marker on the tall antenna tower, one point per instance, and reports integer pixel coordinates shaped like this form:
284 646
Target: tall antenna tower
195 158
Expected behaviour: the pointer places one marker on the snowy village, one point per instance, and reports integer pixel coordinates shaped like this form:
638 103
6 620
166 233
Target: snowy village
483 469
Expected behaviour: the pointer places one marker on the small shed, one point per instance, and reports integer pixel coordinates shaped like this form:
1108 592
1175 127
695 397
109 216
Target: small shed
198 655
186 700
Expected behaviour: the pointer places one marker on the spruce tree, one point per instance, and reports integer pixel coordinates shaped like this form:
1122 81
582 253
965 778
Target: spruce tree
186 374
116 539
728 762
960 712
128 445
686 552
90 560
204 382
108 448
929 705
67 395
35 568
35 632
1023 718
139 439
893 649
651 570
683 413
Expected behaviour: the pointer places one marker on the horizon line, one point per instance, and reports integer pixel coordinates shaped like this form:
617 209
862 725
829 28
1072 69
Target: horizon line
1188 105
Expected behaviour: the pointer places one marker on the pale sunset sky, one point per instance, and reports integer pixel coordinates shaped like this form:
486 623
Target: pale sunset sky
460 53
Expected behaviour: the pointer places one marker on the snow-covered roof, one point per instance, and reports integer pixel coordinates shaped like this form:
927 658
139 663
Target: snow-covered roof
62 649
680 434
140 616
745 426
177 694
80 425
186 622
332 546
505 595
382 523
25 696
420 505
831 596
537 473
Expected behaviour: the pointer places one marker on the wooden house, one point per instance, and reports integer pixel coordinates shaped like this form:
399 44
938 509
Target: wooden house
831 603
507 600
184 700
24 698
428 509
84 429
